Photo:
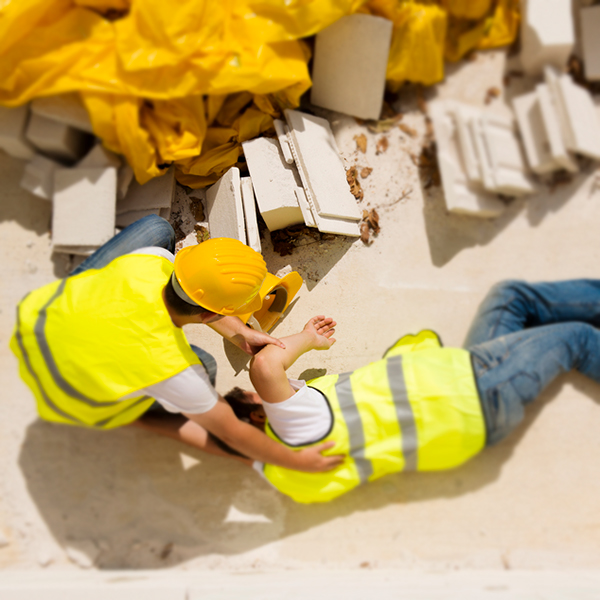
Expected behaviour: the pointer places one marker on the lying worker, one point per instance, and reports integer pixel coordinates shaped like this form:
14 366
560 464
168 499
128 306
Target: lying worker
98 347
423 407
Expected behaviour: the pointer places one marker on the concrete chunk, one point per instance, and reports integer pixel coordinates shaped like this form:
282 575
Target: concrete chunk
13 124
224 207
590 40
282 135
349 65
156 193
57 139
64 108
100 157
274 182
547 34
126 219
38 176
252 234
83 206
464 115
320 166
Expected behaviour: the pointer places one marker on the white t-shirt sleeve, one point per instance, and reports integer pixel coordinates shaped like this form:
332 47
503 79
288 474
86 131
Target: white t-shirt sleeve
155 251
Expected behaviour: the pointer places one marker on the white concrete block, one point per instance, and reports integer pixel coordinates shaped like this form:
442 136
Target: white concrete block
77 250
124 179
349 65
463 116
307 213
127 218
320 166
274 182
590 41
83 206
547 34
57 139
13 124
533 134
554 129
64 108
38 176
100 157
252 233
156 193
282 135
461 194
224 207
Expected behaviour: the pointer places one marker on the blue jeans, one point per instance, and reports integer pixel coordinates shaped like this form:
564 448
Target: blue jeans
148 231
526 334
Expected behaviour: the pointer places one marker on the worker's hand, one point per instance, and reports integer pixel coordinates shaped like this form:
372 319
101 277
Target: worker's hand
251 341
311 460
321 328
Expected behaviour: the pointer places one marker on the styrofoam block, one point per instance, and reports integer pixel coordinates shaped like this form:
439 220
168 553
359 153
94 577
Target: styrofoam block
281 129
349 65
99 157
320 166
38 176
13 124
533 134
252 234
57 139
156 193
274 182
64 108
554 129
224 207
547 34
461 194
126 219
83 206
590 40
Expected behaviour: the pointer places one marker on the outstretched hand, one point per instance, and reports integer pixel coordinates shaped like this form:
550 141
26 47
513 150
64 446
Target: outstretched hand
322 328
312 461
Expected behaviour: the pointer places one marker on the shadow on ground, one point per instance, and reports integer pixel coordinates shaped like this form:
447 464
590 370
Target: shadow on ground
132 497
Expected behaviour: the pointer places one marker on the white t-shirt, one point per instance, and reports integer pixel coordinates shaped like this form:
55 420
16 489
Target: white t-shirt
187 392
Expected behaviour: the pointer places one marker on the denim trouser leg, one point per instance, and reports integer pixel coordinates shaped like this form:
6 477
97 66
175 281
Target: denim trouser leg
151 230
524 336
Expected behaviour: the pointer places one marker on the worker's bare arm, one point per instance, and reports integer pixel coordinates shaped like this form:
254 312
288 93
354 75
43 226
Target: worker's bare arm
222 423
268 367
249 340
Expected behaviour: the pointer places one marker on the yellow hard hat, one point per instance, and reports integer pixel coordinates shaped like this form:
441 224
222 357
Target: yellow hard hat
222 274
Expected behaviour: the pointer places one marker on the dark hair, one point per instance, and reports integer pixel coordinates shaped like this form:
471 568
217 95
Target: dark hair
181 307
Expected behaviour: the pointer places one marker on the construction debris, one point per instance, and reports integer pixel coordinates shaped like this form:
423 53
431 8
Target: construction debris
407 129
13 124
224 207
64 108
382 145
365 172
590 26
38 176
252 233
352 179
361 142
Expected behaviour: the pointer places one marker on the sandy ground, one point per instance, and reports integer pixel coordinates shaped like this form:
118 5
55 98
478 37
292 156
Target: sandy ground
72 498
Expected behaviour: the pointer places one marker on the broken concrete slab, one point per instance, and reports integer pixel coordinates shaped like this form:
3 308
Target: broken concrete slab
224 207
100 157
547 34
274 182
590 41
57 140
320 166
13 125
64 108
349 65
83 206
252 233
156 193
38 176
127 218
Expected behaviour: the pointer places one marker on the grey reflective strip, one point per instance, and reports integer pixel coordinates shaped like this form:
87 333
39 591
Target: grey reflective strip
59 380
106 421
404 412
343 388
47 400
180 292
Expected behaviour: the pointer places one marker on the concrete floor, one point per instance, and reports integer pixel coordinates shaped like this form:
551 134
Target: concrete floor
72 498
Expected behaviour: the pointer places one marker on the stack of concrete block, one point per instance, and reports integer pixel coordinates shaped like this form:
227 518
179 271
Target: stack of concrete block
590 41
547 34
479 158
349 65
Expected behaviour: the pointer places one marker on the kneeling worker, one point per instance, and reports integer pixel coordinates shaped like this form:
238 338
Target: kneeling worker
98 347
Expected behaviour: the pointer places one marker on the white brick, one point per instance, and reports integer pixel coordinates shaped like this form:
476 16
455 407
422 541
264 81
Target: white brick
320 166
547 34
252 233
224 207
99 157
274 182
64 108
13 124
38 176
127 218
533 134
83 206
156 193
349 65
57 139
590 40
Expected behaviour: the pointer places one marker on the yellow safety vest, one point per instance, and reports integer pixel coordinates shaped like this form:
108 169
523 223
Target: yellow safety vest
86 341
416 409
